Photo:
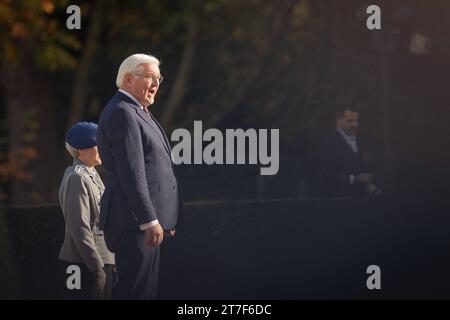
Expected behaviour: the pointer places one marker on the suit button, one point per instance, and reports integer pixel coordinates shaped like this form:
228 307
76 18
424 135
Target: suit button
173 188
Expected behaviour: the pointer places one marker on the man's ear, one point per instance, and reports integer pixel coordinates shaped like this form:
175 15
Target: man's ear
127 80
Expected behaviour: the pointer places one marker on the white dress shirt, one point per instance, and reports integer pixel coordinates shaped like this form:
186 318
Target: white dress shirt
351 141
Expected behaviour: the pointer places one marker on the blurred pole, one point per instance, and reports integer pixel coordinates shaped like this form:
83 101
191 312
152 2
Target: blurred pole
383 41
385 79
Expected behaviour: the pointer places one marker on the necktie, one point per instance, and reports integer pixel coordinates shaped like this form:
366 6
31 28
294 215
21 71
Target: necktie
149 116
147 112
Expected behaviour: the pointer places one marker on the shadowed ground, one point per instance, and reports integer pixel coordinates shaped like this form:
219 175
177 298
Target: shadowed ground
283 249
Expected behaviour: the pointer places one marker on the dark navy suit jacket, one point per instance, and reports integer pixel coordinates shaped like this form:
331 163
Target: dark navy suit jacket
337 162
141 184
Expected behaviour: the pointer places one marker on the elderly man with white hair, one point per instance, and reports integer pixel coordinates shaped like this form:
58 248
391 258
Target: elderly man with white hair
142 200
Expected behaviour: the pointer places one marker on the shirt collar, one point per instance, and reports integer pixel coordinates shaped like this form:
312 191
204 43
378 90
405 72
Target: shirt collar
350 140
77 162
129 95
346 136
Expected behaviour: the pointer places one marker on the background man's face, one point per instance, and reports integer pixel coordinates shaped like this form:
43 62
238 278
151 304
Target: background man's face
141 85
348 122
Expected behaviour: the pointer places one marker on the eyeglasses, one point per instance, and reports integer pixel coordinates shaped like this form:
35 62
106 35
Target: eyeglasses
151 77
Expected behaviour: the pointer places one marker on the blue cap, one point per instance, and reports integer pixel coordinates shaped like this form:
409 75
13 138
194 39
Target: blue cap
82 135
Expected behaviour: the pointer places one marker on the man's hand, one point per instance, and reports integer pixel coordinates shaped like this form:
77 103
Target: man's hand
363 178
99 280
169 233
373 190
155 235
115 276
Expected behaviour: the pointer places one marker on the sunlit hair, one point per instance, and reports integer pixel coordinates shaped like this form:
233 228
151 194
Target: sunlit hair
72 151
132 63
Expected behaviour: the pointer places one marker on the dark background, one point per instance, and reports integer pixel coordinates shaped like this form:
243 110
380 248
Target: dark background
242 64
247 64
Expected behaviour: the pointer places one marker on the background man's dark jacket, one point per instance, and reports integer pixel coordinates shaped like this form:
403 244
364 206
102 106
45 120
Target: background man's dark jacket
336 162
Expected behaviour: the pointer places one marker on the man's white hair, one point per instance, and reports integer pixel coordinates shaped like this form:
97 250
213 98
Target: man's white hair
131 63
71 150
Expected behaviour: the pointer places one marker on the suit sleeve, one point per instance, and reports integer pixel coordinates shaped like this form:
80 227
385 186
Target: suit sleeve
329 174
78 216
125 140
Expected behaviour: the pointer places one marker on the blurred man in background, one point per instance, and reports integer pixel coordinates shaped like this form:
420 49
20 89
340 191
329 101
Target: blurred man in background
343 170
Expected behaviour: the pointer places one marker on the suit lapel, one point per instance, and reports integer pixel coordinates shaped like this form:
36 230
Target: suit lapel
161 130
348 149
153 124
96 179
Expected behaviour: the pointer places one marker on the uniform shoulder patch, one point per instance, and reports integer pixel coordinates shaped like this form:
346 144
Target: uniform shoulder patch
79 169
